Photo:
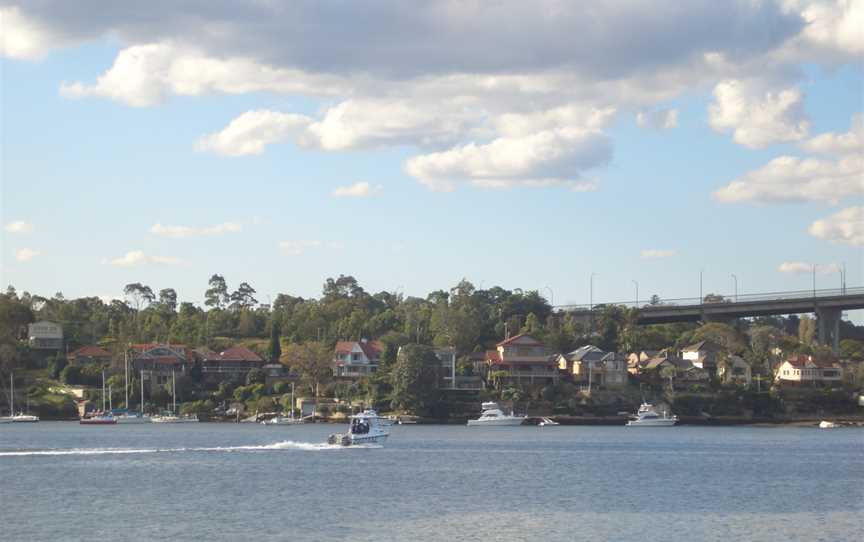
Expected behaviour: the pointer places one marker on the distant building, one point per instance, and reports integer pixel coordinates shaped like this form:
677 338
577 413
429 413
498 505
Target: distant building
448 379
803 370
160 361
354 359
704 355
90 355
591 365
230 364
45 335
522 360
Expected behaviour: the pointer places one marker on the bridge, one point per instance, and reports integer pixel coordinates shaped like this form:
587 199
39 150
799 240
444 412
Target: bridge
827 305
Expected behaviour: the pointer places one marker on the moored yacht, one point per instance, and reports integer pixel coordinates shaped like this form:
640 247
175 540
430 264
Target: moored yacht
646 416
20 417
492 415
364 428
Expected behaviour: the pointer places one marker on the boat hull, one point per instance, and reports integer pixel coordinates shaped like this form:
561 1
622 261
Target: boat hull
500 422
103 421
123 420
652 423
173 420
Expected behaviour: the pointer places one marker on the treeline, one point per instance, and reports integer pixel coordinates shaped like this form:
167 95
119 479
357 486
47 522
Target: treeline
469 318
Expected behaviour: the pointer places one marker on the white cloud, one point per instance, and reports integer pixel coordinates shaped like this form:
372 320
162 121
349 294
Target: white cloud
661 119
178 232
801 268
24 38
137 257
19 226
843 227
852 142
758 117
26 254
356 190
655 253
788 178
833 30
296 248
548 158
146 74
252 131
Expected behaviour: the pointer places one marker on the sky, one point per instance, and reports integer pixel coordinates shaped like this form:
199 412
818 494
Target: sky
529 145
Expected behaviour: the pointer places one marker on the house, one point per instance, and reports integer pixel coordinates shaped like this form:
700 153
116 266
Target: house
45 335
522 360
354 359
592 366
90 355
804 370
734 370
160 361
448 379
682 371
232 363
704 354
635 358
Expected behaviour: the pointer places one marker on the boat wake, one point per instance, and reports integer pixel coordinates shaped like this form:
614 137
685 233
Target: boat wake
283 445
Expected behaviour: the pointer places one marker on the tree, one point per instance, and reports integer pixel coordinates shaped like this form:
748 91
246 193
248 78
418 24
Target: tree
217 295
313 360
275 349
414 378
139 293
255 376
168 299
242 297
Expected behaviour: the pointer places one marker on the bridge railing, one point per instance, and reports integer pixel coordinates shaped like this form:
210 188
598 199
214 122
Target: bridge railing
713 299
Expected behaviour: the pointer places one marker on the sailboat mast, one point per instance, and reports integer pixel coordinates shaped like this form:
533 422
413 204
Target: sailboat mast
173 392
292 400
103 390
142 391
110 406
11 393
126 368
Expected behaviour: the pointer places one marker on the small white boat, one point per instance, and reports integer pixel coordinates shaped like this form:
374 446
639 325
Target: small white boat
547 421
132 417
492 415
364 428
646 416
20 417
171 418
827 425
282 420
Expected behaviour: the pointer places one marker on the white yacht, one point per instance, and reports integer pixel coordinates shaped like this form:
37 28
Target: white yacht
492 415
174 419
132 417
646 416
365 428
282 420
20 417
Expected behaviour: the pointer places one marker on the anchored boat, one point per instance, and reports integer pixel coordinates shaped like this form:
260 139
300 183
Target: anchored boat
492 415
365 428
646 416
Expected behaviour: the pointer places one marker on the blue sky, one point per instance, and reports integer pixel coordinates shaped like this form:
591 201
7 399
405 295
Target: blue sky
152 169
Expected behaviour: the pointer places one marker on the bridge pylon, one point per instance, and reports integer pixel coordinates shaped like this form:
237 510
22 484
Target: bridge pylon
828 326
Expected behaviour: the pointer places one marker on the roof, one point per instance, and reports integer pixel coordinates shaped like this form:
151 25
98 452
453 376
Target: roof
588 353
371 349
239 353
703 345
91 351
801 360
492 356
522 338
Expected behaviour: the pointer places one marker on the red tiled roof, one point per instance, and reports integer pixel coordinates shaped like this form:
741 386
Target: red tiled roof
492 356
531 340
344 347
91 351
240 353
802 359
372 349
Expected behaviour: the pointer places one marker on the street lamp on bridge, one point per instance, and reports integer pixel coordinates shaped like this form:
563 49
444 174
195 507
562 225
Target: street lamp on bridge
736 286
637 292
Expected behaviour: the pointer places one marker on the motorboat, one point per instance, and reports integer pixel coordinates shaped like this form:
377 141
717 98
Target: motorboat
24 418
171 418
282 420
99 419
646 416
364 428
492 415
547 421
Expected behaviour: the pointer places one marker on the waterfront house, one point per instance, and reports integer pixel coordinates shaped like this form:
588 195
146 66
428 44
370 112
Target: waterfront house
90 355
354 359
805 370
160 361
734 370
636 360
522 360
704 355
589 365
230 364
45 335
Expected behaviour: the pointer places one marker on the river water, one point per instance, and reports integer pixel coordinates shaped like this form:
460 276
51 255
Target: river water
63 481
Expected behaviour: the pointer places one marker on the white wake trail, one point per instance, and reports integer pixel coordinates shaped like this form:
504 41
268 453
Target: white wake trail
283 445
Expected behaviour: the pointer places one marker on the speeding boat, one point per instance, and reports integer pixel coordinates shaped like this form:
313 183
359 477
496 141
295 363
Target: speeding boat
646 416
364 428
493 416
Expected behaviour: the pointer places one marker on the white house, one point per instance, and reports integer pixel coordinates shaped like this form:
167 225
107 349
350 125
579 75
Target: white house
805 370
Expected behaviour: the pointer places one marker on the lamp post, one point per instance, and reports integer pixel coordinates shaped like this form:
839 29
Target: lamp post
701 299
637 292
734 278
591 291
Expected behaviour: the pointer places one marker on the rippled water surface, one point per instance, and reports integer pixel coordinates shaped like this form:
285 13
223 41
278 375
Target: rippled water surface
63 481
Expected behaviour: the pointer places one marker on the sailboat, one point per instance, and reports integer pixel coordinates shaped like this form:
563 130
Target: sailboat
130 416
173 417
20 417
285 420
104 417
